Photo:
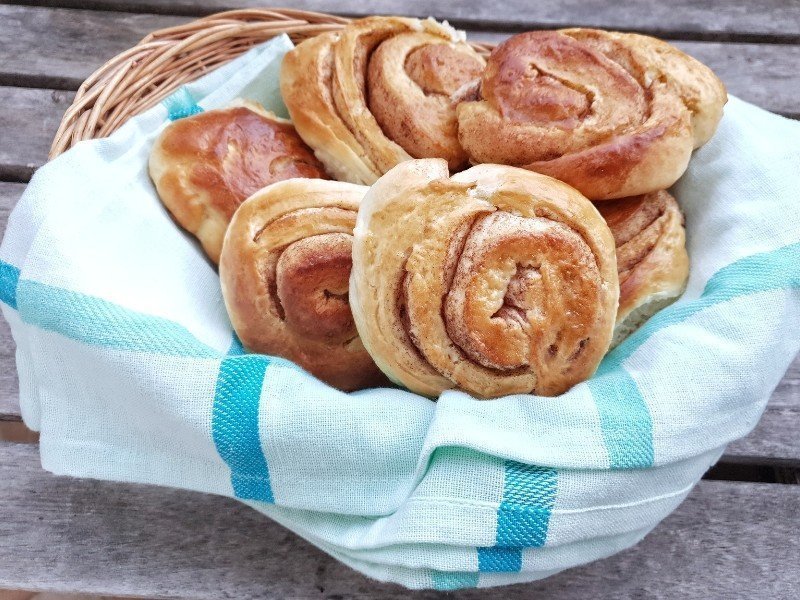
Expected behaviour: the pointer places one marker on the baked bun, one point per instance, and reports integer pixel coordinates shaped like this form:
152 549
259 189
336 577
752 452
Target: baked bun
380 91
205 165
284 270
651 256
612 114
496 280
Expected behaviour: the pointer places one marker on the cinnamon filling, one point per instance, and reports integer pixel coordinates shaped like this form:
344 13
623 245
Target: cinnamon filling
412 79
506 276
312 280
441 69
636 224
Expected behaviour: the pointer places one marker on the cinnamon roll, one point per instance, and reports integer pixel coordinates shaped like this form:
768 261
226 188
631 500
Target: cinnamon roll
496 280
205 165
652 261
380 91
612 114
284 270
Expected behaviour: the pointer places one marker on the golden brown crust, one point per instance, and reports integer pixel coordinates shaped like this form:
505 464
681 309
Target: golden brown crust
700 90
377 93
285 269
652 260
611 114
496 280
205 165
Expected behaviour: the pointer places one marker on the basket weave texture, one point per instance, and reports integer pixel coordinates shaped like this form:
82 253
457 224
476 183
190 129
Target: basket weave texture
139 78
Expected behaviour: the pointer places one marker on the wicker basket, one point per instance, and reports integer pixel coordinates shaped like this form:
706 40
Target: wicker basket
139 78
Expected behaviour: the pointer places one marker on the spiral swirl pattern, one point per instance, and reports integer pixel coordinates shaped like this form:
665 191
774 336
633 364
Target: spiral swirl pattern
611 114
285 270
652 261
381 91
496 280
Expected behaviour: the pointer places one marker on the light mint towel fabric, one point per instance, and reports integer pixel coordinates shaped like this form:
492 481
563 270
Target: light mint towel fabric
129 368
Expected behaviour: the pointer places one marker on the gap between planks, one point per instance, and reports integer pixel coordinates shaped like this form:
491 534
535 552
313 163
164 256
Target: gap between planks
775 22
730 540
57 48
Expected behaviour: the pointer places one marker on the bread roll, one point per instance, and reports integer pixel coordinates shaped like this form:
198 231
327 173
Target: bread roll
381 91
612 114
205 165
496 280
652 261
284 270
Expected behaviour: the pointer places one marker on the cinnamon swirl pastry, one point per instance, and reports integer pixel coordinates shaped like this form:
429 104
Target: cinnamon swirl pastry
612 114
284 271
651 256
496 280
380 91
205 165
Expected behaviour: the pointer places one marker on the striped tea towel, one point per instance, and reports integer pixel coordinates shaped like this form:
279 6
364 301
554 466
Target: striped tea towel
129 368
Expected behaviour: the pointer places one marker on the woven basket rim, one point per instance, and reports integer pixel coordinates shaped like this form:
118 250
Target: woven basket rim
141 76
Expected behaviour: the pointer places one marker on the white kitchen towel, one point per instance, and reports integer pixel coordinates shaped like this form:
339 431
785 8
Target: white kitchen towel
130 370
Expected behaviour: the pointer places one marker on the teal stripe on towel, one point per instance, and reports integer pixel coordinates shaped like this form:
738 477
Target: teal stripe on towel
523 517
9 279
624 417
180 104
234 423
97 322
446 581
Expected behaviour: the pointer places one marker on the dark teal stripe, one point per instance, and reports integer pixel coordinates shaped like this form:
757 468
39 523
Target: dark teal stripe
234 423
97 322
181 104
529 494
523 517
9 279
497 559
625 420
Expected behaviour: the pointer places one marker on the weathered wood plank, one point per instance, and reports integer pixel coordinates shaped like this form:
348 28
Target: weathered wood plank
29 119
59 48
9 386
742 20
773 442
731 540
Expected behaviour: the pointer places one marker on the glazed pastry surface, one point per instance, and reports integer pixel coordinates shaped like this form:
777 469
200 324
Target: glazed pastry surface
205 165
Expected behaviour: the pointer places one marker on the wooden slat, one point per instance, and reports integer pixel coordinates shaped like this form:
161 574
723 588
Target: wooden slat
774 441
730 540
744 20
29 119
59 48
9 386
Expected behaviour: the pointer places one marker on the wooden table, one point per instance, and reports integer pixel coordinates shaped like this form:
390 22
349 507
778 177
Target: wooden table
736 536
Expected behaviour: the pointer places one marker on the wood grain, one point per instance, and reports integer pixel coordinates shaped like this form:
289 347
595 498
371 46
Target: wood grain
743 20
9 386
731 540
59 48
29 119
